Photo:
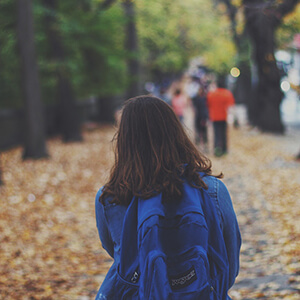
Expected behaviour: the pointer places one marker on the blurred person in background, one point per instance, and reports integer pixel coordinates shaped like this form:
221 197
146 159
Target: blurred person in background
179 102
297 89
164 95
218 102
201 117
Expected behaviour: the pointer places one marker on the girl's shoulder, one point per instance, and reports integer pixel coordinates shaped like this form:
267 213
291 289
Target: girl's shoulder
106 201
218 192
216 187
211 182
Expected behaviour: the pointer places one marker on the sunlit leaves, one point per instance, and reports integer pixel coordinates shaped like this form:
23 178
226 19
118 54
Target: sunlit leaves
181 30
289 27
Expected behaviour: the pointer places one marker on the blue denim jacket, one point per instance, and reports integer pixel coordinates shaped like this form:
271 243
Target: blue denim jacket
110 216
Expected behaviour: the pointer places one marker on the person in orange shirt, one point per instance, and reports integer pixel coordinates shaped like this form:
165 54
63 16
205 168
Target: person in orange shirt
218 102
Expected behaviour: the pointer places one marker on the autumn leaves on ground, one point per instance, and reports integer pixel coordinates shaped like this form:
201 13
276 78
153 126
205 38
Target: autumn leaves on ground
49 245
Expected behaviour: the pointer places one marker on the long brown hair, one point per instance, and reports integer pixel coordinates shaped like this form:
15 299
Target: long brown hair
153 154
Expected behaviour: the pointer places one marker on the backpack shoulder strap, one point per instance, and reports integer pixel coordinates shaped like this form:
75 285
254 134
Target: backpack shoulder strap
129 252
155 205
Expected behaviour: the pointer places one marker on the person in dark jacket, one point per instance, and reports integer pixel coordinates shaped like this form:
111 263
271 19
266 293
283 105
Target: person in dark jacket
201 117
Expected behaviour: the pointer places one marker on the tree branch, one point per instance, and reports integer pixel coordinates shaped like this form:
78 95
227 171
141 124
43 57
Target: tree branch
272 9
231 12
284 8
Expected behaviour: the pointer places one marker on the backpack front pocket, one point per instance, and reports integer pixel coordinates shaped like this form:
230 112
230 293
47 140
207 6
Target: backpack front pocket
188 271
184 276
125 290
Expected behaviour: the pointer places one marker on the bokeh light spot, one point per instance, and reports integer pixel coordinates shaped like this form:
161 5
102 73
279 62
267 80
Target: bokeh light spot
285 86
235 72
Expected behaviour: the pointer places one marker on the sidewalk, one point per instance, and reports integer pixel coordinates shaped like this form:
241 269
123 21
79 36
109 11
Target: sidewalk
264 181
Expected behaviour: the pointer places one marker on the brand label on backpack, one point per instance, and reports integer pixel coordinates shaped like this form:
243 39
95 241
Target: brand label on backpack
184 279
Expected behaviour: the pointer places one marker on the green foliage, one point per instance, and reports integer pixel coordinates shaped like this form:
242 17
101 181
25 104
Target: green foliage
170 32
9 63
93 46
96 42
218 48
93 42
181 30
289 27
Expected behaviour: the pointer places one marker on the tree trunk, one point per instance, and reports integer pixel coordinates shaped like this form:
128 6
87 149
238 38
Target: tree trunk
68 113
268 94
243 88
244 84
34 141
262 19
1 181
131 46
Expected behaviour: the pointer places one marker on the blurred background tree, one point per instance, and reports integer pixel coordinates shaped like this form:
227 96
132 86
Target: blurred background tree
34 128
254 26
67 110
93 40
10 75
287 29
106 50
1 178
262 19
243 86
131 46
172 32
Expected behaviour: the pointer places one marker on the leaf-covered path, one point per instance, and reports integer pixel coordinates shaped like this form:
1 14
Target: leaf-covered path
264 181
49 248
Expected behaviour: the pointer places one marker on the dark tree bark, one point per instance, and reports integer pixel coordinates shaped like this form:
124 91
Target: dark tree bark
106 4
243 87
262 19
34 141
68 112
131 46
1 181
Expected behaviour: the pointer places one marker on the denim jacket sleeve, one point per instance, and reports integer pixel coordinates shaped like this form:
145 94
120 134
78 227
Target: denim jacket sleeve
228 222
231 232
102 226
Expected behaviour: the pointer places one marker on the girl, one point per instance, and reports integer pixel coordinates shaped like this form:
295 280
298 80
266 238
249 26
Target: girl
153 154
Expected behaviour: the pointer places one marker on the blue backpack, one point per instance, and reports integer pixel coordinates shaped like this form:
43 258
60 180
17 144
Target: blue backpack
172 251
